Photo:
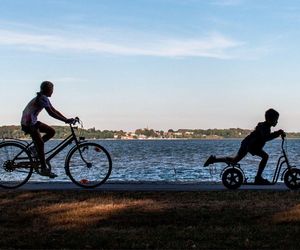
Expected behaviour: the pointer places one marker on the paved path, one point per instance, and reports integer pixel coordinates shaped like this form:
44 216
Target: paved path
147 186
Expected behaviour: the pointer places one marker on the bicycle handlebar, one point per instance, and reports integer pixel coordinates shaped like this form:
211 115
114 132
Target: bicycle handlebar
76 120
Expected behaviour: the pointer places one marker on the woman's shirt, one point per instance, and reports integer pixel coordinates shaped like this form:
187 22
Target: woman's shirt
33 108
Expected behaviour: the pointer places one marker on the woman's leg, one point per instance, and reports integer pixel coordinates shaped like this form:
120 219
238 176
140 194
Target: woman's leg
48 131
39 145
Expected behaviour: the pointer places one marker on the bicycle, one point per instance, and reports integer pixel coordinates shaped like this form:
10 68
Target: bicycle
233 176
87 163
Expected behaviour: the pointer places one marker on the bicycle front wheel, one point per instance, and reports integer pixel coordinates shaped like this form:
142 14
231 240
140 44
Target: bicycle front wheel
15 165
89 165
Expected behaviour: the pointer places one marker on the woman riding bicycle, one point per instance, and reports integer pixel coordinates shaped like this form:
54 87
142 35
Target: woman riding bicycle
31 125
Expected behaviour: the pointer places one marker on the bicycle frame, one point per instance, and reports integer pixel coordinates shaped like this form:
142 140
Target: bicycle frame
62 145
54 151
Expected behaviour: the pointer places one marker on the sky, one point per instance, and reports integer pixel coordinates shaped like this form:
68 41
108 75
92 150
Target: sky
128 64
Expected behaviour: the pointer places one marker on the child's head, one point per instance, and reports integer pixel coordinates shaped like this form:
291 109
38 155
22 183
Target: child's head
271 117
47 88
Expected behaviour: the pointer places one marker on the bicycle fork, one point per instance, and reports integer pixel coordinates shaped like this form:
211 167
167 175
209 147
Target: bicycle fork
88 164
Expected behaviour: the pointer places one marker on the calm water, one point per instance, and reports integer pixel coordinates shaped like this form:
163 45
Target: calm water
175 160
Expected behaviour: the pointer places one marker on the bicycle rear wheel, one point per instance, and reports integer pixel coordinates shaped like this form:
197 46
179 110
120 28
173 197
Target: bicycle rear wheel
13 174
89 165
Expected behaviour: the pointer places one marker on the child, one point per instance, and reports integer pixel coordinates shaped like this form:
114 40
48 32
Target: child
254 144
30 124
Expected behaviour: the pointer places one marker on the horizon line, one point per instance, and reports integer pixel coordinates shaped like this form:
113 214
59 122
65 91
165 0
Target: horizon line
152 128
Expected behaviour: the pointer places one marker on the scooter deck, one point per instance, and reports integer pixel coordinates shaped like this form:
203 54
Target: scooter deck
252 183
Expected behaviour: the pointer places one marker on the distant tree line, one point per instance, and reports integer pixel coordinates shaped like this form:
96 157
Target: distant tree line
61 132
92 133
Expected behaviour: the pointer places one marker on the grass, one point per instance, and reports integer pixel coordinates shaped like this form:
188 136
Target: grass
149 220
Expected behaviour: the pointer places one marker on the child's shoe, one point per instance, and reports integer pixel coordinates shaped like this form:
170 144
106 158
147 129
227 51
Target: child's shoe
210 160
261 181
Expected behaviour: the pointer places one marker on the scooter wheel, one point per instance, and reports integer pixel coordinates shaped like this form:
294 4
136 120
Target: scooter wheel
232 178
292 178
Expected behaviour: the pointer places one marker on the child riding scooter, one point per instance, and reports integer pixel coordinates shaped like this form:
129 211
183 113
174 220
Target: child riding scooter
254 144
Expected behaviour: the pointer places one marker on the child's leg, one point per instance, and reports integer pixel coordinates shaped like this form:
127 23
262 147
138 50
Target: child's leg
239 156
264 159
233 160
49 131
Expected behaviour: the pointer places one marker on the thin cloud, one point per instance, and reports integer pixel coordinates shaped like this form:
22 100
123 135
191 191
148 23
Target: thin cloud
214 45
227 2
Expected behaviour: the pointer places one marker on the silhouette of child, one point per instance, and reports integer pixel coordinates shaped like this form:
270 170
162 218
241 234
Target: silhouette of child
254 144
31 125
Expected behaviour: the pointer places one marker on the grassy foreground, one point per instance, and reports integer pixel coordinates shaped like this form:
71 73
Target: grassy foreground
141 220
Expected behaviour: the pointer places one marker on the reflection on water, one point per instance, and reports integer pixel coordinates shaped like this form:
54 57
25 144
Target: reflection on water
175 160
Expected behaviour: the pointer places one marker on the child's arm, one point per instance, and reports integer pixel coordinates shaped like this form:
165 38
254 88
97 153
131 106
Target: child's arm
270 136
265 133
274 135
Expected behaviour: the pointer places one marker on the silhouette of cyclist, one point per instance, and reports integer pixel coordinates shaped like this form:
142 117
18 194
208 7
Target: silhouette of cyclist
31 125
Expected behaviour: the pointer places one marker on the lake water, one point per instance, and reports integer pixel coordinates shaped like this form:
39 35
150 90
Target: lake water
175 160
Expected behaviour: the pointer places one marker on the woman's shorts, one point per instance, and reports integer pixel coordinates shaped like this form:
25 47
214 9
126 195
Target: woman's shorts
31 128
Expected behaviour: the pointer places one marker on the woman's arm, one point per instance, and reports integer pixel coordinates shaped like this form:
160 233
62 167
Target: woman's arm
56 114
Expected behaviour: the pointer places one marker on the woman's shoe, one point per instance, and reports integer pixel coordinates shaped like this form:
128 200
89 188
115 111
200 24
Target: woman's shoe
47 172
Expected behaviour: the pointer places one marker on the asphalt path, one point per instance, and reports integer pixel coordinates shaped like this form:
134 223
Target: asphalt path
146 186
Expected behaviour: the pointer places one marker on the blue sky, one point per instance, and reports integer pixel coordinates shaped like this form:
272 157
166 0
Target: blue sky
127 64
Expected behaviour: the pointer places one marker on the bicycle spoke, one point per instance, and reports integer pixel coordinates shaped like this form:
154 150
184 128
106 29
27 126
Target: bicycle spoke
21 171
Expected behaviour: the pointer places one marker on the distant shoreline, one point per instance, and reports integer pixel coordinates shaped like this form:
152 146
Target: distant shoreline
153 139
143 134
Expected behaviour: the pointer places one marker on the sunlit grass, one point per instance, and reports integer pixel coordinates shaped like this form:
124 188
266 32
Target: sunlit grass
289 215
87 213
